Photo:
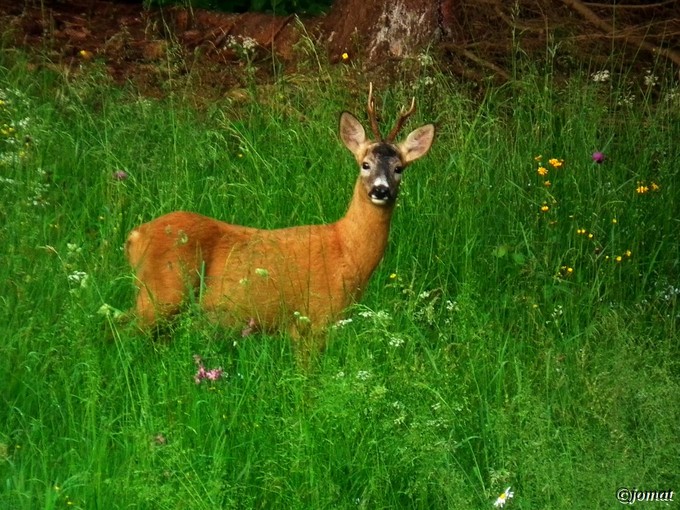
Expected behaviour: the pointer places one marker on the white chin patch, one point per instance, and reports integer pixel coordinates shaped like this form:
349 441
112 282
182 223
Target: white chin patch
379 201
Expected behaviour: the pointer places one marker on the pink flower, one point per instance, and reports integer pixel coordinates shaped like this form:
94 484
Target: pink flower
201 374
598 157
120 175
214 374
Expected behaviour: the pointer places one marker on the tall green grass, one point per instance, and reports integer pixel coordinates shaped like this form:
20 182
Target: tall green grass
516 334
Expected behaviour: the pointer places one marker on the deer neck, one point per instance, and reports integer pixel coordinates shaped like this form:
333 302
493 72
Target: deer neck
364 231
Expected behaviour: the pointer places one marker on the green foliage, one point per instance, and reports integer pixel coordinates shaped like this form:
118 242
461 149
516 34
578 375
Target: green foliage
499 343
280 7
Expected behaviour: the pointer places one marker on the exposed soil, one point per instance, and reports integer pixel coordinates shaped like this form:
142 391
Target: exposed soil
148 47
474 39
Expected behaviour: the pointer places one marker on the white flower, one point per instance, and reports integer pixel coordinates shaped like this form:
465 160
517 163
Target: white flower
503 498
362 375
600 76
650 79
342 323
395 341
77 277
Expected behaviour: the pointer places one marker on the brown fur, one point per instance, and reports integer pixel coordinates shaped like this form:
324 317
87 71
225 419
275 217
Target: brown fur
297 279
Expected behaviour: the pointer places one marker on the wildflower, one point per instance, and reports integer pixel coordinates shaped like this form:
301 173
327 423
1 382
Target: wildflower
654 186
650 79
201 373
615 221
581 231
120 175
538 158
598 157
545 208
600 76
396 341
556 163
78 277
542 171
343 322
591 235
85 55
300 317
619 258
628 253
547 184
363 375
641 189
214 374
425 60
393 276
345 56
503 498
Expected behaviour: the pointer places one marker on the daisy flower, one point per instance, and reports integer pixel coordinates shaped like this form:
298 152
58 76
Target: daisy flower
503 498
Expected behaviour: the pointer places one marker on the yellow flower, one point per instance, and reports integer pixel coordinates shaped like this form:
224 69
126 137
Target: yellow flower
538 158
619 258
591 235
393 276
542 171
654 186
345 56
641 189
615 221
556 163
547 184
545 208
85 55
628 253
581 231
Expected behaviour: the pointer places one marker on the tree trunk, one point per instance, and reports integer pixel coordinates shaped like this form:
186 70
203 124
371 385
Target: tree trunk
377 30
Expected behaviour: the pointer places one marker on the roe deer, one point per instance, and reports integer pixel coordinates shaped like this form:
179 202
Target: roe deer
298 279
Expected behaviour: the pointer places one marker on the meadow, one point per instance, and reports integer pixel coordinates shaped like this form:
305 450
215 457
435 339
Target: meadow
521 331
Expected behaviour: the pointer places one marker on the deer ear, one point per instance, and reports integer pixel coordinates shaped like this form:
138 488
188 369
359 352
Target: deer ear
351 132
417 143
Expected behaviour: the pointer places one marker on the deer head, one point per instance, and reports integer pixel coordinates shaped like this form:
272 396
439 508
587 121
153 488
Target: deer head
381 160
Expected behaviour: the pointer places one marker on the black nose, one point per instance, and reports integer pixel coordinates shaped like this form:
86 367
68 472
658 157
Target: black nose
380 193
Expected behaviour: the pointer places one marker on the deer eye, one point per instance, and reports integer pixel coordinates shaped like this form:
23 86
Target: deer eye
398 169
365 166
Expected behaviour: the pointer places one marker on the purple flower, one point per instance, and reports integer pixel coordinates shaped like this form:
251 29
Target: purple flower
120 175
598 157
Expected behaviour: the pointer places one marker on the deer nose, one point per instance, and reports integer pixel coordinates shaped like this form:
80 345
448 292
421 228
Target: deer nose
380 194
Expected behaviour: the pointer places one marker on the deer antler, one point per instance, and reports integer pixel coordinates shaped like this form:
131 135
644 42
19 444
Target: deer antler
370 108
403 115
